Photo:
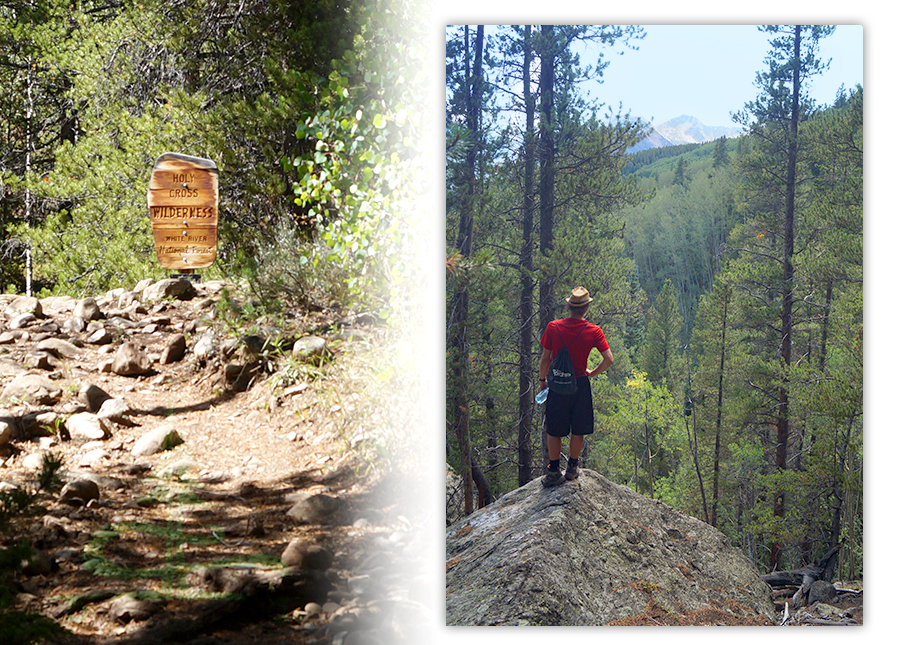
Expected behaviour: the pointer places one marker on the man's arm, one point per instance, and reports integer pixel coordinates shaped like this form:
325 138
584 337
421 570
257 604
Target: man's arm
545 367
604 365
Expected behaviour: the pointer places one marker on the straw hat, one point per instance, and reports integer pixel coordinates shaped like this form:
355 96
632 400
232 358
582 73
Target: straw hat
579 298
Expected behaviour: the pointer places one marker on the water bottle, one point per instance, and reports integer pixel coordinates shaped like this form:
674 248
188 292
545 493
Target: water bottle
541 396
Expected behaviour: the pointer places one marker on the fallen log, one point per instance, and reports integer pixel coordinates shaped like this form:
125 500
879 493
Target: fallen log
802 579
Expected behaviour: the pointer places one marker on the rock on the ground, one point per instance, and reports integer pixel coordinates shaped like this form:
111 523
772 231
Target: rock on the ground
205 345
132 607
24 305
79 492
164 437
86 425
92 396
821 591
590 552
310 347
58 347
318 509
300 553
34 389
74 325
168 288
115 410
174 350
130 360
87 309
177 468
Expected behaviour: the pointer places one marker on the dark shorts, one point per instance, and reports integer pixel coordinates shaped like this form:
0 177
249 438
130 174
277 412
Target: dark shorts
571 413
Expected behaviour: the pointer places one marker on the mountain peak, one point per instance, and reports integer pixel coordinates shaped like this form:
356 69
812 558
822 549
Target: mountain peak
684 129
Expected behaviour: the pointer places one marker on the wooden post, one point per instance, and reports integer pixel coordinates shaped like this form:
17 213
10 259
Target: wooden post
183 199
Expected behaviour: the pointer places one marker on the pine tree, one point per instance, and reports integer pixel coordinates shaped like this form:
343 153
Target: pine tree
663 339
774 121
720 154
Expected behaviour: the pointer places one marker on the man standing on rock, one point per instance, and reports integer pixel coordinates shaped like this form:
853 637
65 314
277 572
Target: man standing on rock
571 413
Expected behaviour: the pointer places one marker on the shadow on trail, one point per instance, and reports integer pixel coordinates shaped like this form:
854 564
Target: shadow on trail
215 555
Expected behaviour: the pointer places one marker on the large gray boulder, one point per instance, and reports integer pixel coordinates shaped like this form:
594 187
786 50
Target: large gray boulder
590 552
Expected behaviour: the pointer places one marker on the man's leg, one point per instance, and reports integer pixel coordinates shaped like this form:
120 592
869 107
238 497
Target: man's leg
554 447
553 477
576 443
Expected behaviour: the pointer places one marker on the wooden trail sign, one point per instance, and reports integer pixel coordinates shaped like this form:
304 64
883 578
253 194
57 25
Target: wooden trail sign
183 199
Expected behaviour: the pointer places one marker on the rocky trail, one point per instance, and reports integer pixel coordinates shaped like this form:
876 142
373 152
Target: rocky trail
217 479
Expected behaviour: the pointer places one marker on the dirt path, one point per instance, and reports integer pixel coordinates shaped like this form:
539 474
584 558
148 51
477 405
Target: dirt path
196 534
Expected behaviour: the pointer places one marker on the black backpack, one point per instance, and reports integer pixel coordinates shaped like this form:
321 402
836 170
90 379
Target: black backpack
561 376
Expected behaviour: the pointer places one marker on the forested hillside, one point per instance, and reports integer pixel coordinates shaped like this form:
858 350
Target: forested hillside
727 278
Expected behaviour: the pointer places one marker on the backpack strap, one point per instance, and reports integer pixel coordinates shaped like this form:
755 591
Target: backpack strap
559 333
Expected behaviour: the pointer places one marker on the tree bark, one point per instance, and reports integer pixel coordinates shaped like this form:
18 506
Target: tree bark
719 401
464 244
787 289
546 150
526 288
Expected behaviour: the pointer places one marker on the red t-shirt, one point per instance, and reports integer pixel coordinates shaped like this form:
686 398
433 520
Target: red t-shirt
563 331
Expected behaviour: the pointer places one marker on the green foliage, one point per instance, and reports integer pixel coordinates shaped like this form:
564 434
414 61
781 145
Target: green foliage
663 346
364 173
644 424
48 477
12 503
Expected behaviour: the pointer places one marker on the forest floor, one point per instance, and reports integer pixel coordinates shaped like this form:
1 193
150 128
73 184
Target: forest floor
165 537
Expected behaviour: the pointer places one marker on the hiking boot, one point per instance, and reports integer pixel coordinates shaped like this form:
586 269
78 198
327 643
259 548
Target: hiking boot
552 478
572 471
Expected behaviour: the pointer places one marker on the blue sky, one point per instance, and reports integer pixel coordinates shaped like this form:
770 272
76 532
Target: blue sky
708 71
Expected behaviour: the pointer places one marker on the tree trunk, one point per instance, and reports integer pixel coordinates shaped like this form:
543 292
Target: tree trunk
546 150
787 289
526 294
719 397
464 244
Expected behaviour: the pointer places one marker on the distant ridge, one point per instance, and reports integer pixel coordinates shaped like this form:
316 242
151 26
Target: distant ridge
684 129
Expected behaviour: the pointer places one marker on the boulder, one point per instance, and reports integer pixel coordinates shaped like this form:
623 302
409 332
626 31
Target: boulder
174 350
205 345
115 410
318 509
169 288
79 492
58 347
24 305
75 325
130 360
300 553
19 321
87 309
591 552
821 591
164 437
310 347
140 286
6 431
100 336
38 361
92 396
134 607
85 425
34 389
